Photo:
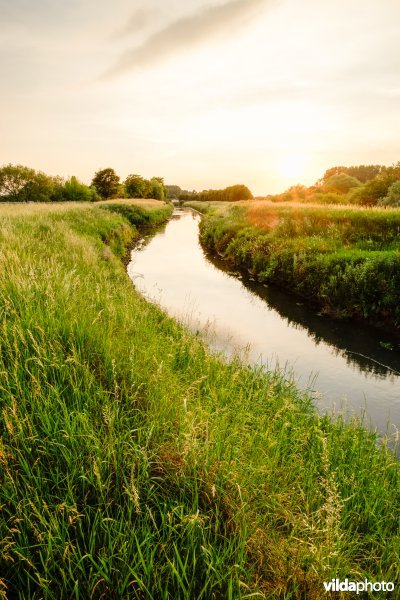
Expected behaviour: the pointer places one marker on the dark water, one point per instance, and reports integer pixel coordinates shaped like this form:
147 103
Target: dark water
344 364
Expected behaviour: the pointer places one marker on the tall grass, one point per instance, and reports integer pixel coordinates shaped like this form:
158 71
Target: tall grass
346 260
134 464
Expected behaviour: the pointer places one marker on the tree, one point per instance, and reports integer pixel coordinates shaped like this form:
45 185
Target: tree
14 181
393 196
363 173
157 188
370 193
135 186
75 191
238 192
341 183
106 182
173 191
233 193
40 188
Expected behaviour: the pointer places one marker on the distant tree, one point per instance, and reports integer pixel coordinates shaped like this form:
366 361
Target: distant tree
106 182
363 173
40 188
58 189
392 172
147 189
135 186
14 182
157 188
75 191
341 183
233 193
370 193
173 191
237 192
393 196
187 196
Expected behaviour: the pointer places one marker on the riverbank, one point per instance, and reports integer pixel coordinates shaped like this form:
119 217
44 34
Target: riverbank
136 464
346 261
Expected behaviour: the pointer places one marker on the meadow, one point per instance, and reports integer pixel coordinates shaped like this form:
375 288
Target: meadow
346 260
136 464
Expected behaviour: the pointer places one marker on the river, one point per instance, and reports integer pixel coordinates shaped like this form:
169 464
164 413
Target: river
344 365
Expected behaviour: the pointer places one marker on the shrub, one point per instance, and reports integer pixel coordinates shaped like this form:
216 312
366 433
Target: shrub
393 196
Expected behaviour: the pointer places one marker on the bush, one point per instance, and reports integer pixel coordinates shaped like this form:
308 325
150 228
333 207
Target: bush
73 190
393 196
341 183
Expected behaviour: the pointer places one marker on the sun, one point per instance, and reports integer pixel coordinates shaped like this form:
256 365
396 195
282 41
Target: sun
291 166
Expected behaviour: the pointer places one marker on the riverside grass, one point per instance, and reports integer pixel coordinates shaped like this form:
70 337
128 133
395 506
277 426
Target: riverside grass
135 464
347 260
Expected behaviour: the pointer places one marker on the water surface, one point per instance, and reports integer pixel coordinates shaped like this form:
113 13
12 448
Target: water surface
343 363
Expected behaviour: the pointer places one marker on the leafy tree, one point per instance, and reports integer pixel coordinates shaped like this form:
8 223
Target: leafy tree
135 186
157 188
341 183
237 192
393 196
173 191
14 182
40 188
233 193
370 193
106 182
74 190
363 173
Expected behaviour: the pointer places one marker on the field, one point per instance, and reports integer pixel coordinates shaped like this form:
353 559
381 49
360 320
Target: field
346 260
135 464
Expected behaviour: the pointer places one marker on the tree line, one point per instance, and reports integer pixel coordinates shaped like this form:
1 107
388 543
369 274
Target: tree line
233 193
19 183
365 185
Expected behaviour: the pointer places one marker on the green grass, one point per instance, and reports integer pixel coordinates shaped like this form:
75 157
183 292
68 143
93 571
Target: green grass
345 259
135 464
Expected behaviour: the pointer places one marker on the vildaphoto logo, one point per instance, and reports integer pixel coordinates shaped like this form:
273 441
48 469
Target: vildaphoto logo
358 586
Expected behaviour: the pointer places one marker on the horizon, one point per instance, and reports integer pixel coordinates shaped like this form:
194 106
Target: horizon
206 94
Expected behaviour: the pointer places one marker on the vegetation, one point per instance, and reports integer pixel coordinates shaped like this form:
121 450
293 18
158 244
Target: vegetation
138 187
144 214
233 193
135 464
362 173
365 185
106 183
345 260
23 184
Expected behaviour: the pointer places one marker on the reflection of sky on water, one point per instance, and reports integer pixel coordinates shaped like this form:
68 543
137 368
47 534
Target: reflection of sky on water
272 326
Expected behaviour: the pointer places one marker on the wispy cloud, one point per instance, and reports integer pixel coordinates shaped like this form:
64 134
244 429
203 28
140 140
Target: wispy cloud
186 32
141 18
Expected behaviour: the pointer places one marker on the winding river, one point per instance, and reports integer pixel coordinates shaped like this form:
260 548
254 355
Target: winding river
346 366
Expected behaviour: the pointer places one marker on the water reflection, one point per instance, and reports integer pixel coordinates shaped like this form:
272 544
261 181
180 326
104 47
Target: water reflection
361 345
344 363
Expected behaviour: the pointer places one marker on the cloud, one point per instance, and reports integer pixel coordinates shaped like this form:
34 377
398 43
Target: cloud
185 32
140 19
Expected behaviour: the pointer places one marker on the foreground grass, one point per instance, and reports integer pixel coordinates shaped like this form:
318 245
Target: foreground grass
345 259
134 464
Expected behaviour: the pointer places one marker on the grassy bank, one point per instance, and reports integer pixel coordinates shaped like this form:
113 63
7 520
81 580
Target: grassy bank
134 464
347 260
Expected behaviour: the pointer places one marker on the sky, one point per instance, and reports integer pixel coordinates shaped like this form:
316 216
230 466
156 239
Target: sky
206 93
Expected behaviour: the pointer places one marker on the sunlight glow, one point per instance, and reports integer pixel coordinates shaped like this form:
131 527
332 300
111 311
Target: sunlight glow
292 166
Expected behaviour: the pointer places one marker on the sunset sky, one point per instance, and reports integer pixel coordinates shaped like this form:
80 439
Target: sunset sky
263 92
